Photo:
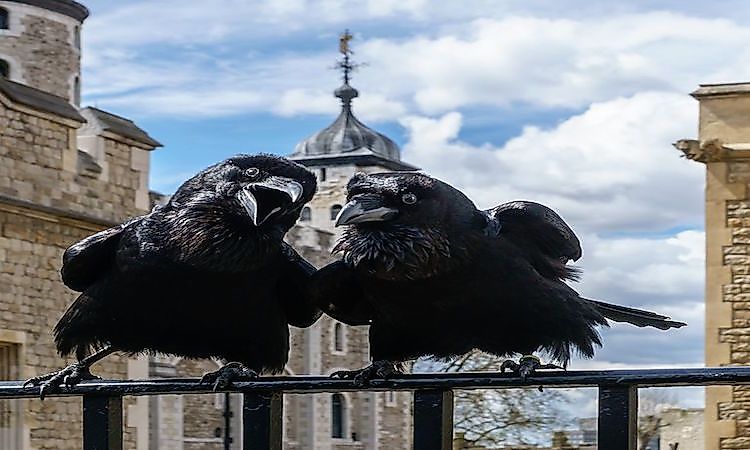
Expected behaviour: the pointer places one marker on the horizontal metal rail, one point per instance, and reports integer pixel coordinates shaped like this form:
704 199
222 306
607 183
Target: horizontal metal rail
406 382
433 400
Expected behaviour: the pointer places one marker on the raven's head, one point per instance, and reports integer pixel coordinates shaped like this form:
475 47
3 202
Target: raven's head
234 213
258 191
404 225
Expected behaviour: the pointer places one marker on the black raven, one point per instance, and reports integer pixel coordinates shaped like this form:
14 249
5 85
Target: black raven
434 276
206 275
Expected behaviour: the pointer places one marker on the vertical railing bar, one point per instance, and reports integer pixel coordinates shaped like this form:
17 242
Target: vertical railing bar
102 422
433 420
618 417
227 421
262 421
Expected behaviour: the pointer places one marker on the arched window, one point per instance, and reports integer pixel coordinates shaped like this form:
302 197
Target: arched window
4 69
306 214
4 22
338 413
335 209
338 337
77 91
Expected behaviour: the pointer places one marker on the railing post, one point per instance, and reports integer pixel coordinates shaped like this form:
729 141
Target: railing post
102 422
433 420
262 421
618 417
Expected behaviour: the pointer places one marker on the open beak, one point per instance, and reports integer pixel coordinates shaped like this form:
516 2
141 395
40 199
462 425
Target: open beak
365 208
266 198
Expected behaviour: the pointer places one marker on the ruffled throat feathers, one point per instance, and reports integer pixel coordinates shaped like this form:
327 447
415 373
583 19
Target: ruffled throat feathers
398 252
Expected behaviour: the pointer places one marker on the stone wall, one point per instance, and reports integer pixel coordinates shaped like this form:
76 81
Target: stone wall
395 420
38 164
41 47
683 428
203 414
332 192
724 146
46 206
32 299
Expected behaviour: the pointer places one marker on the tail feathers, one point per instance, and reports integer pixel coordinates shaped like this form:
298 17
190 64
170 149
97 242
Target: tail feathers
637 317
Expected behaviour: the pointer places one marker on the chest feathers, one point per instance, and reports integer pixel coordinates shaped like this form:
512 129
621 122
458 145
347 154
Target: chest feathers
398 252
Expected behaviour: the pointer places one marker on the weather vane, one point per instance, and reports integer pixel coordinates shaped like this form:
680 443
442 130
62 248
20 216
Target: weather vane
346 64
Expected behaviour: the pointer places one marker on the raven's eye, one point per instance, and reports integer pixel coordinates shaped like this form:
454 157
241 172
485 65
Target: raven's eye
252 173
409 198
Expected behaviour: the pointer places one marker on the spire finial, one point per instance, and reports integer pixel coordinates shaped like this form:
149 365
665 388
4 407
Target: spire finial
347 65
346 93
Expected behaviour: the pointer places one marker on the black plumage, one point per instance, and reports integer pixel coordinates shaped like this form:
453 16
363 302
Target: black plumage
434 276
206 275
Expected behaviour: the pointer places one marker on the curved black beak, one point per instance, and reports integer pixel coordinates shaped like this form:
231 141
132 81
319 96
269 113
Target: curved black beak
365 208
266 198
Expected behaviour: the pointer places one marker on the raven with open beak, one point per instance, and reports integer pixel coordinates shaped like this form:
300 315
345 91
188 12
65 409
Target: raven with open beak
205 276
275 193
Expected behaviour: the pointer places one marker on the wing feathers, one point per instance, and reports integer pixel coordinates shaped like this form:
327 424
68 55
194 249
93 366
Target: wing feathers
85 261
533 224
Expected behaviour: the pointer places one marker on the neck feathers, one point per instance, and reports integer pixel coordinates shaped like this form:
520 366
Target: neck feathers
398 252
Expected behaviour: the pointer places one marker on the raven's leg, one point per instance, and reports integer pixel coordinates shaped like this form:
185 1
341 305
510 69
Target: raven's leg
71 375
526 366
233 371
378 369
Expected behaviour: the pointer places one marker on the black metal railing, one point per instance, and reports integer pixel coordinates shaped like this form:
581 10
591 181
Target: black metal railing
433 400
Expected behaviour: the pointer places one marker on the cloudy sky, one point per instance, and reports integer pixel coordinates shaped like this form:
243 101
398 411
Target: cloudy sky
569 102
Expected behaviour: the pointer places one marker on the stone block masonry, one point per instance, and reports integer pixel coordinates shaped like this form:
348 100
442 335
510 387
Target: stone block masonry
32 298
46 205
42 49
724 146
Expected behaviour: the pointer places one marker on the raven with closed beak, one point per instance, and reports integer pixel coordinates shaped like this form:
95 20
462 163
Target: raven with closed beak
434 276
205 276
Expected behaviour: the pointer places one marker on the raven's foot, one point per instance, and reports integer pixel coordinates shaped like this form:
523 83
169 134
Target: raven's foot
69 376
227 374
378 369
526 366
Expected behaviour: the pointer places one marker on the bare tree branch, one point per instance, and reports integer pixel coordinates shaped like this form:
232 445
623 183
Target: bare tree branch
497 417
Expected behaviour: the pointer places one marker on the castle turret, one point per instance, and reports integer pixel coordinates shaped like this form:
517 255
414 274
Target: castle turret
40 45
343 148
363 420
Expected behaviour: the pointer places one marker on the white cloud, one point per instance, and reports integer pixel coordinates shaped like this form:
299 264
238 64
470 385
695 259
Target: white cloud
612 174
637 269
439 66
373 107
665 275
610 168
301 101
559 62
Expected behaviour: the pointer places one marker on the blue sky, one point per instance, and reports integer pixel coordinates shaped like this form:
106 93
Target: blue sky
572 103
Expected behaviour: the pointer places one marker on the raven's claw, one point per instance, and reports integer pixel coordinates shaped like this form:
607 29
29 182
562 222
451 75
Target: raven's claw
526 366
361 377
227 374
69 376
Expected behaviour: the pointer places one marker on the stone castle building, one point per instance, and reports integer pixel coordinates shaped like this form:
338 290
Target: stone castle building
723 145
67 172
64 174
